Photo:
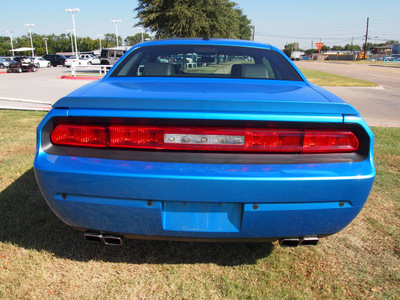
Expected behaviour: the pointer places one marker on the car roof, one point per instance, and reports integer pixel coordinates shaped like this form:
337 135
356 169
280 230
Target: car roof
206 41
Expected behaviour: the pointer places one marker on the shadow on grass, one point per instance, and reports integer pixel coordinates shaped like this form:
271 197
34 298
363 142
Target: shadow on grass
27 221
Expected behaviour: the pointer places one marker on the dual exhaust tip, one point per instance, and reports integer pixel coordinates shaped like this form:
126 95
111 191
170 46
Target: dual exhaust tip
98 238
299 241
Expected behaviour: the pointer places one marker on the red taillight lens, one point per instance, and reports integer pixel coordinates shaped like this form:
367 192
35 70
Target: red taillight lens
329 141
206 139
79 135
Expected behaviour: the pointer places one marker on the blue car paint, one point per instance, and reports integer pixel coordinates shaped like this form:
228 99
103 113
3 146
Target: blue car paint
112 195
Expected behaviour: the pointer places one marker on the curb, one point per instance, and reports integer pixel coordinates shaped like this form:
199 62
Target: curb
81 77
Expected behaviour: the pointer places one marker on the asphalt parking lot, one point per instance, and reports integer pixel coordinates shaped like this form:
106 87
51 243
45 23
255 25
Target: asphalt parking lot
379 106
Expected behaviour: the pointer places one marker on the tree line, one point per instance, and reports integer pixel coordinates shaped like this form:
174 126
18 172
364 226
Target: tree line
62 43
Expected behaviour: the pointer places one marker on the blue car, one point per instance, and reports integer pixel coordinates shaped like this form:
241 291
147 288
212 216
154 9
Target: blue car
236 145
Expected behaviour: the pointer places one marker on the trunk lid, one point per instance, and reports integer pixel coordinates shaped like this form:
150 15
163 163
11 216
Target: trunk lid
206 95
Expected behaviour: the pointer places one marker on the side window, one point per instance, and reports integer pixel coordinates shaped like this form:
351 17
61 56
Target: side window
118 54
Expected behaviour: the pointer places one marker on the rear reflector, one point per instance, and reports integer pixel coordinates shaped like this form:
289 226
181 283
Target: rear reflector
206 139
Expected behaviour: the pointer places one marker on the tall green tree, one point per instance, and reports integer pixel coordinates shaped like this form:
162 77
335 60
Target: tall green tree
193 18
110 40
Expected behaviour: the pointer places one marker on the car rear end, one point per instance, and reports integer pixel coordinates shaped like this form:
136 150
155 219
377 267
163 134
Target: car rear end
211 159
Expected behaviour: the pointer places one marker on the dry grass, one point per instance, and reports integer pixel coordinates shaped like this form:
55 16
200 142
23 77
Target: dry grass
40 257
327 79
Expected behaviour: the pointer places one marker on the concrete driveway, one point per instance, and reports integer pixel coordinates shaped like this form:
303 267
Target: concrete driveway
379 106
44 85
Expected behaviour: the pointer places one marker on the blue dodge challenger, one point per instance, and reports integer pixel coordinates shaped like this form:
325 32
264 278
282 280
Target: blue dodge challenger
201 140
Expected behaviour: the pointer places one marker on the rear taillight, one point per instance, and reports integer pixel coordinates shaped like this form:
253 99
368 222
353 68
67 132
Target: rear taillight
79 135
206 139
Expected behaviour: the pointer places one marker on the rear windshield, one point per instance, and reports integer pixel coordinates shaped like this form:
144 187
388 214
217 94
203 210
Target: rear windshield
206 61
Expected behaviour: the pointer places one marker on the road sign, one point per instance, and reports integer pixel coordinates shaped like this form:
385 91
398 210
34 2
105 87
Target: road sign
319 45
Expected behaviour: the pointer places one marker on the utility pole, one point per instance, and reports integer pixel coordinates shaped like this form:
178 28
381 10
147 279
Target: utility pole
253 28
366 40
311 53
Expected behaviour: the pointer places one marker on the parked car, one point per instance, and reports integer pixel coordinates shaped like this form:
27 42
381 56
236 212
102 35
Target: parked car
4 63
40 62
250 151
81 60
21 64
85 59
95 60
55 59
70 61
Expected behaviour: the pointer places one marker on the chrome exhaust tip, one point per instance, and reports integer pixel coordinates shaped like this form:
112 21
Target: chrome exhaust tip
112 240
96 238
309 241
289 242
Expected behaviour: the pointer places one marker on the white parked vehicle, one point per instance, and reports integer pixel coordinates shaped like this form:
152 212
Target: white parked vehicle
70 61
82 60
40 62
95 60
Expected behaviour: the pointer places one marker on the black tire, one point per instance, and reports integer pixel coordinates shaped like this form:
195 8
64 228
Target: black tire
8 70
49 65
54 65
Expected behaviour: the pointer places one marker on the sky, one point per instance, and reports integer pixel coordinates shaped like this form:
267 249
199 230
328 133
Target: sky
276 22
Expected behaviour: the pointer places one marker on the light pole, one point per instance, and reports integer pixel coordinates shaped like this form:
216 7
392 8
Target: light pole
11 41
30 35
72 11
100 36
116 28
45 42
72 43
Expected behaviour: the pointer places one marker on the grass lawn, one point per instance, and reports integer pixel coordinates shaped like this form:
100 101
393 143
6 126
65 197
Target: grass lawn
327 79
40 257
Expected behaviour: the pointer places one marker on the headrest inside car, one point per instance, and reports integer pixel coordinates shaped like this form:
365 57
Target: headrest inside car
249 71
157 69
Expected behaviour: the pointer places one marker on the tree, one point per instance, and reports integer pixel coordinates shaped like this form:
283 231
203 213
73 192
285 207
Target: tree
325 48
350 47
288 49
193 18
134 39
337 48
110 40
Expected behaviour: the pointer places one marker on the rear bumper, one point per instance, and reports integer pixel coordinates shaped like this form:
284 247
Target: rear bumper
164 200
172 200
